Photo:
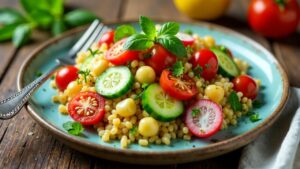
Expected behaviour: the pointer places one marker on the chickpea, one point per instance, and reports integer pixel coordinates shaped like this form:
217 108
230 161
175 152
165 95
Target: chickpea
145 74
215 93
72 89
209 41
99 67
126 107
148 127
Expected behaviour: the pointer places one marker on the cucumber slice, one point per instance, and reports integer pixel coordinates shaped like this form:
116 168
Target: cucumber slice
227 66
160 105
114 82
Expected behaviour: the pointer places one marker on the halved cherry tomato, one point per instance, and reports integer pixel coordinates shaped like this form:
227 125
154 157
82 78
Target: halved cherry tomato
181 88
186 39
246 85
118 56
87 108
107 37
64 76
204 118
208 61
160 58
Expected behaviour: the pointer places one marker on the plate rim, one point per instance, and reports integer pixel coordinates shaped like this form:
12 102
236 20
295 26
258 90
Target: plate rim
214 148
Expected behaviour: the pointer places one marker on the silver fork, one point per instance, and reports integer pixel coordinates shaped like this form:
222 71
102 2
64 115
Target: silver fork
10 106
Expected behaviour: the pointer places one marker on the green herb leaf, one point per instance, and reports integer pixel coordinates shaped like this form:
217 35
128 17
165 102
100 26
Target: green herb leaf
21 35
57 7
38 74
195 112
73 128
148 26
7 32
138 42
58 27
172 44
95 52
188 31
197 71
189 50
257 104
234 102
79 17
10 16
145 85
169 28
178 69
123 31
254 117
84 73
133 130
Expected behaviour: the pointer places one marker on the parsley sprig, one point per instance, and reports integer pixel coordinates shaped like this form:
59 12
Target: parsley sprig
94 52
197 71
84 73
164 36
73 128
178 69
254 117
144 86
234 102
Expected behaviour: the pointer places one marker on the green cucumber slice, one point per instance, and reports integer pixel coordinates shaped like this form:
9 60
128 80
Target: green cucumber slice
114 82
227 66
160 105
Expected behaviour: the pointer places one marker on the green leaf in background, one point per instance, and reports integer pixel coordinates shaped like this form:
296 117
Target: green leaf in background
123 31
33 5
10 16
57 7
79 17
138 42
58 27
21 35
148 26
6 32
42 18
169 28
172 44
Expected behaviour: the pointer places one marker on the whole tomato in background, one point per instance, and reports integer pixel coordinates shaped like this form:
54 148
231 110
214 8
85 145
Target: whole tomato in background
202 9
274 18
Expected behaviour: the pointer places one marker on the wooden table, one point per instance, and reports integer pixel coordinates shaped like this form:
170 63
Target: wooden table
24 144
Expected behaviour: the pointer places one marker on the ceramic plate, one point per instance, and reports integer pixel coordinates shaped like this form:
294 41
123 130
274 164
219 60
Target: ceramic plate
263 66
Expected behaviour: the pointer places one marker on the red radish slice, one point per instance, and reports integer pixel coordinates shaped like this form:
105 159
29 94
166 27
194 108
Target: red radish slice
186 39
204 118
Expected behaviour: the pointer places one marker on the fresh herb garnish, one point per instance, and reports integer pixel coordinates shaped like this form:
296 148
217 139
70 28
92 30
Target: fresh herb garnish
52 77
178 69
189 50
197 71
38 74
254 117
164 36
234 102
73 128
123 31
93 53
133 130
188 31
84 73
257 104
144 86
195 112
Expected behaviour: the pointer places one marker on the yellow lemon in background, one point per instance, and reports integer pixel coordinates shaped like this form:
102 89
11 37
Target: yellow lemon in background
202 9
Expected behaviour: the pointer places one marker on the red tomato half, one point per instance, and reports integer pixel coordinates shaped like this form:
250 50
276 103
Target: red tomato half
64 76
107 38
118 56
208 61
160 58
87 108
246 85
181 88
273 19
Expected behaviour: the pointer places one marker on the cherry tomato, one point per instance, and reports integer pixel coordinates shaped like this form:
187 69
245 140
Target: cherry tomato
181 88
246 85
87 108
208 61
272 18
204 118
107 37
186 39
160 58
118 56
64 76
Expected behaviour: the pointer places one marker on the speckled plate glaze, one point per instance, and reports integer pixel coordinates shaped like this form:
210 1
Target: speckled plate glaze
263 66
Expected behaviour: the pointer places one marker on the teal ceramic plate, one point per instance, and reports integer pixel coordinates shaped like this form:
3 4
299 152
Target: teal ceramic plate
263 66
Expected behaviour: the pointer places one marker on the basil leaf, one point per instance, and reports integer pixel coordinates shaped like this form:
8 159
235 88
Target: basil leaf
21 35
57 7
234 102
79 17
7 31
42 18
138 42
10 16
123 31
148 26
73 128
169 28
58 27
172 44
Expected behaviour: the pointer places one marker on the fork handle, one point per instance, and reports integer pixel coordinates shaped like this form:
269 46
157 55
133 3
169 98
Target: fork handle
10 106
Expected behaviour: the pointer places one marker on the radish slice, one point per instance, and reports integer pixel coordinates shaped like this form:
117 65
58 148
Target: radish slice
186 39
204 118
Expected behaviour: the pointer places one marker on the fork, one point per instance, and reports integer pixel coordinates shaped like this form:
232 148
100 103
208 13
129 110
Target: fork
10 106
